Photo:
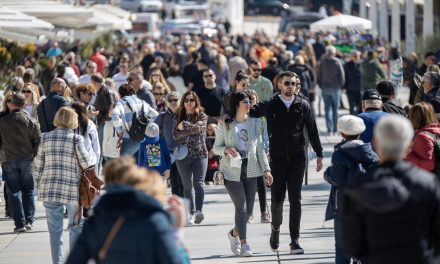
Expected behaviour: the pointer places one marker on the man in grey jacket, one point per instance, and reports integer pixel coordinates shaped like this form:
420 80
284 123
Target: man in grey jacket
18 129
331 79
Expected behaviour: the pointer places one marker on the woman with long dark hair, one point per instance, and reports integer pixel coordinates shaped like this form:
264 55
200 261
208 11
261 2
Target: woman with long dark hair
239 142
88 130
189 128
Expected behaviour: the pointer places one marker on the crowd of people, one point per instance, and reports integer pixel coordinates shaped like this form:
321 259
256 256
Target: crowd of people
237 110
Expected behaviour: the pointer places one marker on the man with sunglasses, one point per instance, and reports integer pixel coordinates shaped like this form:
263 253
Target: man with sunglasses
211 96
287 115
258 83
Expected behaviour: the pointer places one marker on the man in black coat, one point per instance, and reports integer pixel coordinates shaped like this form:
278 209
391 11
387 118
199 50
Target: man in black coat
386 91
353 85
287 115
393 216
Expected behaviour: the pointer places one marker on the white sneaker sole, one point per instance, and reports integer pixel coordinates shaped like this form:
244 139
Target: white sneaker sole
246 254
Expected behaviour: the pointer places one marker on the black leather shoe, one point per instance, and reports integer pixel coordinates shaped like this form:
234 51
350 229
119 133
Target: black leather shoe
274 240
295 248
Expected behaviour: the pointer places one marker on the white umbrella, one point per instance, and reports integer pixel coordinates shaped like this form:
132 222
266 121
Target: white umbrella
332 23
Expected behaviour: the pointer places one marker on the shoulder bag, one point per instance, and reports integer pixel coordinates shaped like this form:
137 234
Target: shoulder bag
89 183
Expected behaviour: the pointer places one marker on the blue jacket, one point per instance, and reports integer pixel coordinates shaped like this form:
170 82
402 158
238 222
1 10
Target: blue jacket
145 237
47 109
154 154
350 161
370 120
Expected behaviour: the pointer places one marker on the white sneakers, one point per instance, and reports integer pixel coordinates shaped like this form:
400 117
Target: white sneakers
235 243
238 249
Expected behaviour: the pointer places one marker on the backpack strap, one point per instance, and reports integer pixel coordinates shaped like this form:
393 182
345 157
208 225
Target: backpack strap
109 239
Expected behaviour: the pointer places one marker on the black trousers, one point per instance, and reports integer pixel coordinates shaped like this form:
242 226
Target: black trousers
176 181
354 101
288 173
261 189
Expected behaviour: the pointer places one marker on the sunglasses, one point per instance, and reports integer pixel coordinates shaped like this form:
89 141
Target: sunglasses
189 100
208 76
287 83
90 94
256 69
158 94
129 80
247 101
173 100
26 91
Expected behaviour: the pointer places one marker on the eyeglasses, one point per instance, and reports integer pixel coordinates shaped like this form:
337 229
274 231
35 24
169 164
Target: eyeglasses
158 94
256 69
287 83
208 76
247 101
173 100
26 91
190 100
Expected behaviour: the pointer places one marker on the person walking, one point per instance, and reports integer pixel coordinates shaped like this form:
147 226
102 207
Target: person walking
331 79
165 122
47 108
241 140
122 115
31 104
396 192
211 96
57 169
17 128
135 80
190 124
287 115
372 71
349 156
422 150
371 113
260 84
387 92
352 71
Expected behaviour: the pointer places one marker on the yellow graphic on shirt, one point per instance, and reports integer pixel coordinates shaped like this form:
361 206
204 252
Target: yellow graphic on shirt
153 155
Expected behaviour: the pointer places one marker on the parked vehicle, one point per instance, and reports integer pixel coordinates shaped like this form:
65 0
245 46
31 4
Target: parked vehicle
141 5
298 20
265 7
146 23
188 26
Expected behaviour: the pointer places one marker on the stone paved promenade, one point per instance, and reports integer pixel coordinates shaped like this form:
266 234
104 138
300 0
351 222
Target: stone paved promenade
207 242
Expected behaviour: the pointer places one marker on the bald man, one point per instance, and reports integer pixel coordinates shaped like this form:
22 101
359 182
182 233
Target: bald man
49 106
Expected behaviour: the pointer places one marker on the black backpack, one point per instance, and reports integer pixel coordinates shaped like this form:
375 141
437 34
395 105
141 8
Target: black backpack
436 138
138 124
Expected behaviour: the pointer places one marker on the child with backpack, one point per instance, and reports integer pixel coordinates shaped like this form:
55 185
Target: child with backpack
153 152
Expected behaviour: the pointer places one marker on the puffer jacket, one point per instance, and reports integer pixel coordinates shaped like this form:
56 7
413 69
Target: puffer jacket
422 150
394 217
350 162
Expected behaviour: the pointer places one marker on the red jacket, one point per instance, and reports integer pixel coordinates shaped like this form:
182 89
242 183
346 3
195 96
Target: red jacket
422 150
100 60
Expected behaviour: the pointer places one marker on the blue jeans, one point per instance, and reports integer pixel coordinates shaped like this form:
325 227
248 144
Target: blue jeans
193 172
332 97
55 218
130 148
19 178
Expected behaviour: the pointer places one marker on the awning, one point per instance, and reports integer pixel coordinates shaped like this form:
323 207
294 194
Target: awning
332 23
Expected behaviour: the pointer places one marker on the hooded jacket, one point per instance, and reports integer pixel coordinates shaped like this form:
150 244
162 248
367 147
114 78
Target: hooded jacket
350 161
154 154
422 151
394 217
145 237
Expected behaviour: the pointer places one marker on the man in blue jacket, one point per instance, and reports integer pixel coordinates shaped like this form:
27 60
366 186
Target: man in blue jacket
48 107
372 112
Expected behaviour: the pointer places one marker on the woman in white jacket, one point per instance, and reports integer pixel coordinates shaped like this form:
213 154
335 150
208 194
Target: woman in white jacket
240 144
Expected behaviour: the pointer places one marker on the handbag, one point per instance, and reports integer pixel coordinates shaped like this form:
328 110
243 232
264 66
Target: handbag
89 183
180 152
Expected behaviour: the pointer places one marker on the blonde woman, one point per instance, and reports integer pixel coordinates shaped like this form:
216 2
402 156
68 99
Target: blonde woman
57 169
31 101
155 75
